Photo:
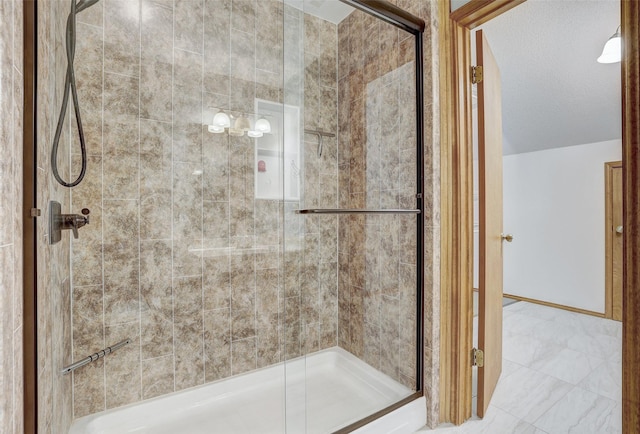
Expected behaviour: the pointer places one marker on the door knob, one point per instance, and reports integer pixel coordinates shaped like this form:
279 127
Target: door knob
508 237
619 229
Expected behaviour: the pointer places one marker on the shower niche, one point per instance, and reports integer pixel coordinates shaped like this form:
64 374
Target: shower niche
277 156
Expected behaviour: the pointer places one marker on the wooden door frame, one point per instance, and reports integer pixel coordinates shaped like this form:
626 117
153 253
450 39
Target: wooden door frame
608 223
457 205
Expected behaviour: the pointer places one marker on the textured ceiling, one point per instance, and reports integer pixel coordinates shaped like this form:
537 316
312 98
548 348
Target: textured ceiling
554 93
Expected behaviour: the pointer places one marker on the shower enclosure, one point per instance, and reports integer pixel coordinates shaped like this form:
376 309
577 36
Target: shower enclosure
254 187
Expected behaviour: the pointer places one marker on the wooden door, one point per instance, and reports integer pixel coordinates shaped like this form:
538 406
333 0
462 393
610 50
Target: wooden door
490 219
613 232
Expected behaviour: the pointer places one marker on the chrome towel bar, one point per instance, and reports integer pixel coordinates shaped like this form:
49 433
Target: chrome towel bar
93 357
357 211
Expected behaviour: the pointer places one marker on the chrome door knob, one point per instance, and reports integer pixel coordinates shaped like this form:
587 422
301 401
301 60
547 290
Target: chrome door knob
507 237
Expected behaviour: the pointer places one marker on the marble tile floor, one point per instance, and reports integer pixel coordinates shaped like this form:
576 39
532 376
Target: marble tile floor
561 373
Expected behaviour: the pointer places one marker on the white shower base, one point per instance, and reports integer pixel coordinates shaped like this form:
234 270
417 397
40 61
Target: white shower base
324 392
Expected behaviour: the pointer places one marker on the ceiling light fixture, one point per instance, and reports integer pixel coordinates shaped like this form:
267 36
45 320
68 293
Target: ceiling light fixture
612 51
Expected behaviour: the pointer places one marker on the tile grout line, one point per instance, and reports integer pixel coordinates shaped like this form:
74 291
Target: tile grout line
228 140
173 303
253 198
102 153
202 230
140 370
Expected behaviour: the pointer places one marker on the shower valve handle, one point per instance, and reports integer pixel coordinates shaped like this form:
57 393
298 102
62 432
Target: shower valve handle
75 221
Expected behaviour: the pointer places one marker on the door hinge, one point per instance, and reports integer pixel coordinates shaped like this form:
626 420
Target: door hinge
478 358
476 74
36 212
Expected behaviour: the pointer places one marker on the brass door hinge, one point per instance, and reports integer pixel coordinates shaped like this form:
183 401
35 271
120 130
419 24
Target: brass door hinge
476 74
478 358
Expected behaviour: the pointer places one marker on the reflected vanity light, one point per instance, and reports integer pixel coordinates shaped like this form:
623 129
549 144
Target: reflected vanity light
263 125
222 123
221 119
215 129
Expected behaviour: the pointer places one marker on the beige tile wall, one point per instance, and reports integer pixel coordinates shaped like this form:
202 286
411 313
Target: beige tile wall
53 303
377 169
11 88
180 256
201 275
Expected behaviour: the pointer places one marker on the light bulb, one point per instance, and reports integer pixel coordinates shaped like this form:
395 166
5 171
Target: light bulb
254 134
215 129
263 125
221 119
242 123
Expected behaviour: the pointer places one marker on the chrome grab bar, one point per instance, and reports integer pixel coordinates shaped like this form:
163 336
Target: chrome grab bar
356 211
93 357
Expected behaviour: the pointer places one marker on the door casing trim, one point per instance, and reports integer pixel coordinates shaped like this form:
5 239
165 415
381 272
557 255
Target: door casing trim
457 205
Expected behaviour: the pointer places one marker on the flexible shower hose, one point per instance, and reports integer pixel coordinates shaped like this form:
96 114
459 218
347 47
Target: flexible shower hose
70 86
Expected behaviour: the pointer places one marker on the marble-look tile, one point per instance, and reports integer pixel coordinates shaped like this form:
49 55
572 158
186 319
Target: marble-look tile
568 365
157 377
188 25
547 330
121 161
525 351
243 356
122 36
187 201
87 249
597 345
243 324
121 284
189 364
605 380
243 285
268 338
187 257
156 299
495 421
155 180
156 82
156 31
527 394
122 368
87 316
581 411
120 98
243 15
93 15
217 344
89 380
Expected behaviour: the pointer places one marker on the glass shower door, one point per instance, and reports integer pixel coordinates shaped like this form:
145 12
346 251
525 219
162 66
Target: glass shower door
351 285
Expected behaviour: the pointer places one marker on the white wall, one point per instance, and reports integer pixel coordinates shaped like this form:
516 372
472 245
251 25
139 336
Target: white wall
554 207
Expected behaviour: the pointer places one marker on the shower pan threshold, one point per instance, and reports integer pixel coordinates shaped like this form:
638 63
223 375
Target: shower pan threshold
324 392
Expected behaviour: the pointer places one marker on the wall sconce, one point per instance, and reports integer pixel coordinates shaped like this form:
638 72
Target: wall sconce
222 123
612 51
